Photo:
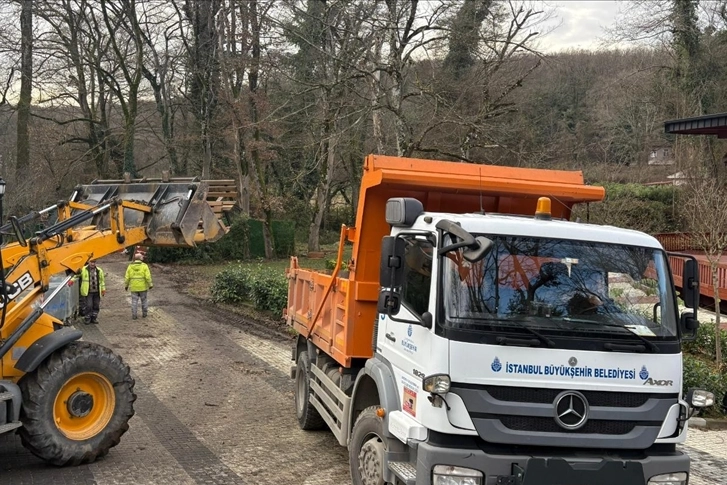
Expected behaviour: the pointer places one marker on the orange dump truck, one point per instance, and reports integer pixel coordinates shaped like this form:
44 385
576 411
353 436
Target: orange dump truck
470 312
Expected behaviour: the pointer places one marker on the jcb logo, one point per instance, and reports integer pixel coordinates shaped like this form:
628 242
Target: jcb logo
656 382
23 283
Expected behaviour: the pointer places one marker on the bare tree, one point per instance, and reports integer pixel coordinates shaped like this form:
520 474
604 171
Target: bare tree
704 210
161 35
127 46
203 69
72 50
235 47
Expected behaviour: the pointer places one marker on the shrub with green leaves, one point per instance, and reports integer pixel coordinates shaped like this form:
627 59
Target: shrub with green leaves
265 289
704 374
704 344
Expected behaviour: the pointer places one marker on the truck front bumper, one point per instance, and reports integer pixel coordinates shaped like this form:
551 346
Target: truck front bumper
550 468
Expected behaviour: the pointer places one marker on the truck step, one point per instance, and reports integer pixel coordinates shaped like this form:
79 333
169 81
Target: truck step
10 426
6 396
405 471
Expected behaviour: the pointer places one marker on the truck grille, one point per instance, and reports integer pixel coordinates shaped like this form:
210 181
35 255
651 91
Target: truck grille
547 396
548 425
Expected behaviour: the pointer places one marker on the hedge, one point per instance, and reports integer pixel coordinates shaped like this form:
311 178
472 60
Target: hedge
266 290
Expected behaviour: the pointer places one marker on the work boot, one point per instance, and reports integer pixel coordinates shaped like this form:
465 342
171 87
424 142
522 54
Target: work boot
143 315
134 317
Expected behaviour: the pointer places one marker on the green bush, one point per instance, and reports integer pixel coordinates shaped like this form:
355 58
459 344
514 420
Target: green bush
700 368
704 344
265 289
705 374
633 206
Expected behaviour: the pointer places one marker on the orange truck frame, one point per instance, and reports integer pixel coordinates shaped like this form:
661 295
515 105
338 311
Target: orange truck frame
477 336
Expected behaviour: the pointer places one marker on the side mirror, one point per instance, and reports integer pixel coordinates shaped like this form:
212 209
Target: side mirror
391 269
690 284
689 325
389 303
484 245
18 231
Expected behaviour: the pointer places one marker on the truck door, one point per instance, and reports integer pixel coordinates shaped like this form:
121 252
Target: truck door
407 346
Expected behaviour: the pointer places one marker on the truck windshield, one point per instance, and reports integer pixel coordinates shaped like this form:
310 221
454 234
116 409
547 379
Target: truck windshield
561 286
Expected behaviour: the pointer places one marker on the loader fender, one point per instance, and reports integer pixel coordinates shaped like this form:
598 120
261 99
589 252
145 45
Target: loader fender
375 386
45 346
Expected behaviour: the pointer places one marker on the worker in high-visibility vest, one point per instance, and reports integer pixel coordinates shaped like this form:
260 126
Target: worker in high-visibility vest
138 282
93 287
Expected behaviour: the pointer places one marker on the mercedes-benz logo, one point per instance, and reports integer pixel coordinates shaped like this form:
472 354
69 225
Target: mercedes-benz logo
573 362
571 410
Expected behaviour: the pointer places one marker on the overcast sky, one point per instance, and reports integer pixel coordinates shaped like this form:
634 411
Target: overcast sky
581 24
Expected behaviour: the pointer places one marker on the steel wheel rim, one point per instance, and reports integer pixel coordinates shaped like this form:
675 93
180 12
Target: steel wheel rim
370 460
74 396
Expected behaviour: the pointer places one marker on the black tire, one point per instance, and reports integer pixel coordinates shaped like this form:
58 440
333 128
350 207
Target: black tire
308 417
366 449
60 435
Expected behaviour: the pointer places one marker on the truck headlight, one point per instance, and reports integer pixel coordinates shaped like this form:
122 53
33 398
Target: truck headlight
437 383
456 475
679 478
700 398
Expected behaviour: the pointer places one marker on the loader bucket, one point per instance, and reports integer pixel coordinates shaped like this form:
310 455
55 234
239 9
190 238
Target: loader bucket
182 213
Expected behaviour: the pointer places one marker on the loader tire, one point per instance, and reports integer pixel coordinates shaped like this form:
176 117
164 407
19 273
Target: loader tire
308 417
76 404
367 448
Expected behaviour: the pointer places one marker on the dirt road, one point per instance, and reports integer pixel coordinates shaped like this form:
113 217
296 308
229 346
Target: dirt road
215 403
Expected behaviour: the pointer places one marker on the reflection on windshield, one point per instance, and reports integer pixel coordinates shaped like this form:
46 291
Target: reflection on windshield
572 285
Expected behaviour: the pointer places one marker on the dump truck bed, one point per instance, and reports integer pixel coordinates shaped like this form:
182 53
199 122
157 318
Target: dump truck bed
337 311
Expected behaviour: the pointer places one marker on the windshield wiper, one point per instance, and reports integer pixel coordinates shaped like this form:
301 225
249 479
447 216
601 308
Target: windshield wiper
649 344
502 340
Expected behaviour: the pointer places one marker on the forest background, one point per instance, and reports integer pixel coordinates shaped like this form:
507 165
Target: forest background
288 96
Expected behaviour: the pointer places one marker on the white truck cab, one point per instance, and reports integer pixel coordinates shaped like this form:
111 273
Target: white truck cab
526 350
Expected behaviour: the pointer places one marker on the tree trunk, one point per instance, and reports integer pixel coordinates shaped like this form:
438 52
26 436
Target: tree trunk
257 170
323 189
717 331
22 161
129 134
243 176
207 147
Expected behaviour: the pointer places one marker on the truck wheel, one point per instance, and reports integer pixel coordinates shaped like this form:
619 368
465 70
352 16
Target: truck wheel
367 448
308 417
76 404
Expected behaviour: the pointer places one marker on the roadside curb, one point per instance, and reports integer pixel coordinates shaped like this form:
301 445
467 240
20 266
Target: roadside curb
708 423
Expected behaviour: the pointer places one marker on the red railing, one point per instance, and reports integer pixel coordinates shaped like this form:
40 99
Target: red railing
705 276
676 241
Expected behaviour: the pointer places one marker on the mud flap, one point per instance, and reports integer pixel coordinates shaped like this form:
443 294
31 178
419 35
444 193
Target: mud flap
557 471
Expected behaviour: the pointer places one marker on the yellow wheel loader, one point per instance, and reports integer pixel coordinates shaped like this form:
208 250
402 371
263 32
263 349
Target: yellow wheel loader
71 400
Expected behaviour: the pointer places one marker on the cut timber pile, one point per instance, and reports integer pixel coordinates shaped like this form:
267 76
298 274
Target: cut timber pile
222 195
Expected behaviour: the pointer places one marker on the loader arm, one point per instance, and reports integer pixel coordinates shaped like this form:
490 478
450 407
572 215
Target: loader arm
98 220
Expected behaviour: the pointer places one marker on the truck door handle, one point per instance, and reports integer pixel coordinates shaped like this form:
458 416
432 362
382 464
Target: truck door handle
391 337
